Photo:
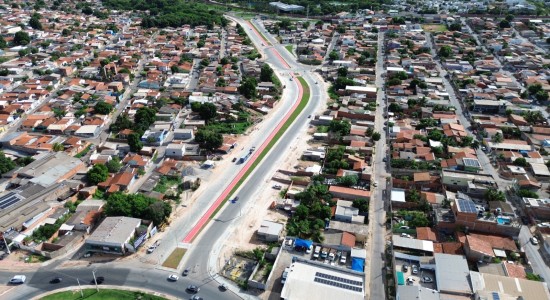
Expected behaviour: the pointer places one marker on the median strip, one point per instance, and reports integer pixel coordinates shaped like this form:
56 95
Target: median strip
304 95
260 33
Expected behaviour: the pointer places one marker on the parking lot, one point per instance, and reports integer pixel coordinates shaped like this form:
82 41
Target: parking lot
422 277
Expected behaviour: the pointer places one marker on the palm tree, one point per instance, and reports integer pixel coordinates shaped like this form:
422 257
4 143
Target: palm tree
497 138
58 147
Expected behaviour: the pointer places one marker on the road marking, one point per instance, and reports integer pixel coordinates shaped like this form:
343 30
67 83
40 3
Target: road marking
206 217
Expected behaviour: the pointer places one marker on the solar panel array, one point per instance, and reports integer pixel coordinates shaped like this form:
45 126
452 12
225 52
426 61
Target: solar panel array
340 282
8 200
467 206
496 296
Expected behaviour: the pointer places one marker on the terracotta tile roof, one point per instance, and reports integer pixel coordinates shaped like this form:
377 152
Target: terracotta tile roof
452 248
438 248
426 233
515 271
424 176
348 239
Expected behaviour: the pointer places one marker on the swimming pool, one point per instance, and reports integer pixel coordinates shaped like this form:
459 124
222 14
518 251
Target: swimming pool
504 220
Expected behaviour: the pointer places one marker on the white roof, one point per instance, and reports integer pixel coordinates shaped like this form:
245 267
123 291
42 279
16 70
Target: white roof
87 129
368 88
451 273
416 244
66 227
398 195
317 281
540 169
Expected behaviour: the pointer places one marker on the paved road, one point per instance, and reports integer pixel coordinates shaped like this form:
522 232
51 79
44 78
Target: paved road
535 259
145 278
377 212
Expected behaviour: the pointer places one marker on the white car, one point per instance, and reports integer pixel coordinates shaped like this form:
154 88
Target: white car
427 279
308 250
173 277
18 279
534 241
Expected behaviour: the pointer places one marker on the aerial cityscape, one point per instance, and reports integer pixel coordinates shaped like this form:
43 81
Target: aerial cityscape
348 149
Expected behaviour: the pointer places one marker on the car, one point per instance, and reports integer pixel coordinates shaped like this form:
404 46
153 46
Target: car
309 117
534 241
56 280
290 78
277 186
405 268
195 297
151 248
222 287
185 272
308 250
235 199
18 279
375 184
384 159
414 269
193 289
252 149
173 277
427 279
285 275
289 242
234 159
405 235
483 149
98 279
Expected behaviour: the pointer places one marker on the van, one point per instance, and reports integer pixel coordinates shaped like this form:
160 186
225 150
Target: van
18 279
317 252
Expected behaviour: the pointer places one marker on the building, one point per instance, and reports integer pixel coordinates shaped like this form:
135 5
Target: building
537 208
88 131
416 292
49 168
345 212
286 7
183 134
490 286
113 235
348 193
312 280
452 274
270 231
176 151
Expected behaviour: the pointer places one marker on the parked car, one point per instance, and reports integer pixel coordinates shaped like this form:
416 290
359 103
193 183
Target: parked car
196 297
427 279
285 275
534 241
405 268
193 289
308 250
222 287
414 269
410 280
234 159
277 186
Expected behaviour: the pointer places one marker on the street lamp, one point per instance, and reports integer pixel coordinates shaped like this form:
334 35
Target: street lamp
95 281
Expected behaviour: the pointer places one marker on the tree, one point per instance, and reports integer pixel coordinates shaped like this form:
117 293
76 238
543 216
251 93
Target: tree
248 87
361 204
455 27
209 139
393 81
35 23
196 106
21 38
342 72
158 211
6 164
497 138
376 136
98 173
145 116
348 180
520 161
509 17
3 43
266 73
504 24
495 195
103 108
446 51
333 55
114 165
208 111
342 127
134 142
57 147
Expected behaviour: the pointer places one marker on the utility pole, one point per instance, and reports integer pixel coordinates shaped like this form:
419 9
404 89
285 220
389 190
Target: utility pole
6 244
81 293
95 281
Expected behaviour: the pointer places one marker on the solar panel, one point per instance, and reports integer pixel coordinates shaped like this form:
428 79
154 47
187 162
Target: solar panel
496 296
467 206
339 280
338 284
8 200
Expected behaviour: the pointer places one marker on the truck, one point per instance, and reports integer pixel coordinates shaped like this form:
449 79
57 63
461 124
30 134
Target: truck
244 158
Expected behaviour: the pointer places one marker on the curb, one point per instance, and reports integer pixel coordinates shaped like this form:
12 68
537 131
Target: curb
105 287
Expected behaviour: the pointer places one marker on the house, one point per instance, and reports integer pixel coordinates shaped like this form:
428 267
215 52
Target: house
113 235
270 231
183 134
485 247
348 193
88 131
345 212
118 182
176 151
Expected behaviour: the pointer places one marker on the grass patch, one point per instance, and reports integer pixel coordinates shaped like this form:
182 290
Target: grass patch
434 28
83 152
166 182
103 294
290 49
295 114
174 259
33 258
261 34
229 127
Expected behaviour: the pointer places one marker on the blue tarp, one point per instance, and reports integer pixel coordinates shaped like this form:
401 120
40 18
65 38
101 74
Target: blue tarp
358 264
303 243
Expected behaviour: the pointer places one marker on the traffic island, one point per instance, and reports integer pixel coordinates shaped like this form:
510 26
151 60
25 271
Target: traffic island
174 259
102 294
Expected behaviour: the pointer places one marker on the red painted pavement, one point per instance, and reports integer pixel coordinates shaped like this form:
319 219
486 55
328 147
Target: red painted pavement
206 217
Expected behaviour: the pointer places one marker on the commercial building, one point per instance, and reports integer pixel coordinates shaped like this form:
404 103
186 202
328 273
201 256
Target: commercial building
49 168
452 274
490 286
286 7
311 280
113 235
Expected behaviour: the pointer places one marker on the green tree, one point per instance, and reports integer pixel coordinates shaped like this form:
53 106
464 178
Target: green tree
158 211
21 38
342 72
342 127
376 136
505 24
455 27
3 43
114 165
209 139
65 32
145 116
266 73
35 23
495 195
98 173
248 87
361 204
208 111
520 161
103 108
446 51
393 82
134 141
333 55
6 164
348 180
57 147
196 107
497 138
